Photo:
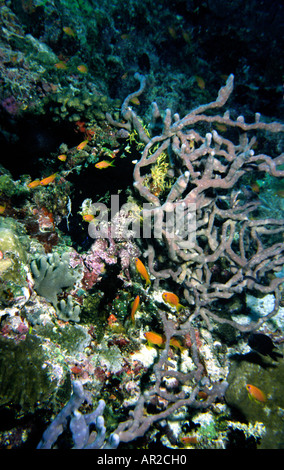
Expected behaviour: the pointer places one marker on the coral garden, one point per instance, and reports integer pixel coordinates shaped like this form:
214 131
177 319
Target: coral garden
141 224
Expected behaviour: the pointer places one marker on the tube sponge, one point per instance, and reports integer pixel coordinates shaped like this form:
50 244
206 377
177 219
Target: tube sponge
80 425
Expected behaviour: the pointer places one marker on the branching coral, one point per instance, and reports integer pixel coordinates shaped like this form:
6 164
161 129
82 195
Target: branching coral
228 251
171 397
232 249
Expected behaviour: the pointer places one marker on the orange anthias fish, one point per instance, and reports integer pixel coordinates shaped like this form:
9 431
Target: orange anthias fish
62 157
60 65
172 32
82 68
33 184
172 299
256 394
69 31
141 269
82 145
186 36
2 208
175 343
135 306
103 164
88 217
154 338
135 100
200 82
186 440
48 180
221 127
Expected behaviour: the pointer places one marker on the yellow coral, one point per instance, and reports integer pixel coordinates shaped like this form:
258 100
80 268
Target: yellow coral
156 183
133 138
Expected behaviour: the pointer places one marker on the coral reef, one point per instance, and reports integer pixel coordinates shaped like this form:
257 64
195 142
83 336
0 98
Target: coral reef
16 280
163 312
30 377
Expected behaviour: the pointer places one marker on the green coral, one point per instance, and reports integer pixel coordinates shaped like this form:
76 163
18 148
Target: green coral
26 374
121 306
70 338
13 265
209 432
93 312
10 188
72 102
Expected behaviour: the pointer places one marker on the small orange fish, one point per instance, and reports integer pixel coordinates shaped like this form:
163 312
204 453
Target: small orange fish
186 36
88 217
2 208
48 179
255 187
82 68
60 65
172 299
103 164
175 343
221 127
189 440
154 338
82 145
135 306
202 395
135 100
62 157
69 31
33 184
256 393
200 82
142 271
172 32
